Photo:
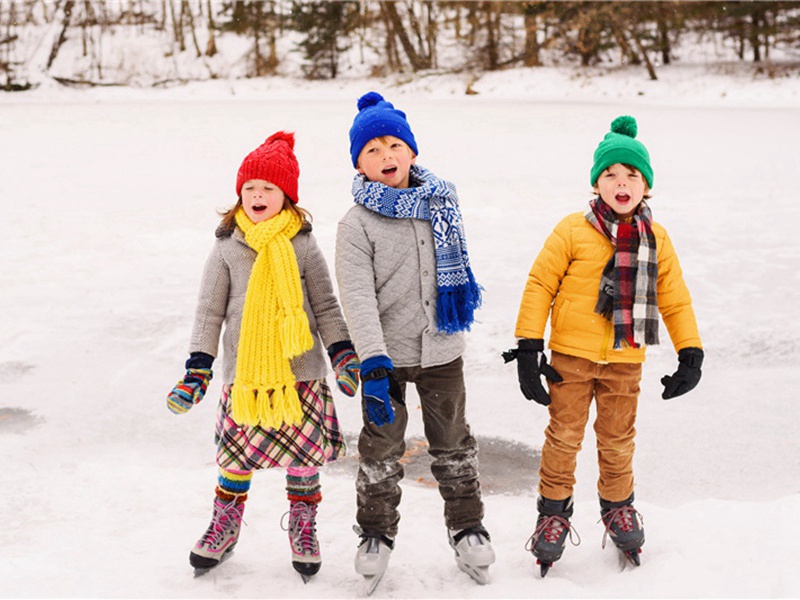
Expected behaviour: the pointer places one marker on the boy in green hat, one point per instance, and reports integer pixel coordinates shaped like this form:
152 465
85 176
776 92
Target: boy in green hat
607 273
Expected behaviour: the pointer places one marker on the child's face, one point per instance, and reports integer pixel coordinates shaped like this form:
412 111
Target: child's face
621 188
386 160
261 199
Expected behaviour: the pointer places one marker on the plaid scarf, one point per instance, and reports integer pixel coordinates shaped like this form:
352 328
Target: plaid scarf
628 285
432 199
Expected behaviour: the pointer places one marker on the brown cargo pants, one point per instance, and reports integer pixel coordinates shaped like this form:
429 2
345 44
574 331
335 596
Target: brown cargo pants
454 450
615 389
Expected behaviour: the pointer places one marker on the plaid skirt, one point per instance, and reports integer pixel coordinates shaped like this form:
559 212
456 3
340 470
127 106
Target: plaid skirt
316 441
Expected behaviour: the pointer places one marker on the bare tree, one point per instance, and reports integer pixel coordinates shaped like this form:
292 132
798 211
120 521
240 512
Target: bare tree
418 56
62 37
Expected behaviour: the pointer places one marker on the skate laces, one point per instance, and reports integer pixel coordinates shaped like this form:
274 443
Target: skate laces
619 520
302 527
224 516
552 527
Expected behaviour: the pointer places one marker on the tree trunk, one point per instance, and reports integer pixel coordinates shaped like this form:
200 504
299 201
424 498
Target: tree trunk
418 62
177 27
627 52
431 33
492 50
62 37
663 38
211 46
756 26
531 57
650 70
392 57
187 10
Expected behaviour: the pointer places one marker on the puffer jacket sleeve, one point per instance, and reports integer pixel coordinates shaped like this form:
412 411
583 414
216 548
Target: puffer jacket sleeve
355 275
212 304
543 282
674 300
321 297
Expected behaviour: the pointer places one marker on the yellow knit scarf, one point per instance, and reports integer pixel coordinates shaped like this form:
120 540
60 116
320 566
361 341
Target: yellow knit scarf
274 326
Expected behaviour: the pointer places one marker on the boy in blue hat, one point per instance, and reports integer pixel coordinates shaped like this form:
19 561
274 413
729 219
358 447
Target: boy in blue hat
408 295
606 274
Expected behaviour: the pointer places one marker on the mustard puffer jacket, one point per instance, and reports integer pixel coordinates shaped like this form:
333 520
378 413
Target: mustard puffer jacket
566 277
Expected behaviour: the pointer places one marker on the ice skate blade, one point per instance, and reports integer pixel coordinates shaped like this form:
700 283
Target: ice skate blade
633 557
629 558
544 567
479 574
371 582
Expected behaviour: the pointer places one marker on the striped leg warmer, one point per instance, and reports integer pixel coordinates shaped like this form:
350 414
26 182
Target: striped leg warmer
302 485
233 484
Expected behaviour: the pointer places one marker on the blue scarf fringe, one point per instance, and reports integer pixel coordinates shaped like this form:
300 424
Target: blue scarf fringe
456 306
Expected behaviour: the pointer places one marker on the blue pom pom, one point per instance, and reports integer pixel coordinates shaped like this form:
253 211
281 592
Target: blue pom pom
625 125
369 99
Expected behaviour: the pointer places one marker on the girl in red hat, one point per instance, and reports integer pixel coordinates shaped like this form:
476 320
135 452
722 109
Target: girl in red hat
267 281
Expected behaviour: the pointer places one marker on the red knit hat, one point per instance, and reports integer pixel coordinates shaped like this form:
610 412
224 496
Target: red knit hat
273 161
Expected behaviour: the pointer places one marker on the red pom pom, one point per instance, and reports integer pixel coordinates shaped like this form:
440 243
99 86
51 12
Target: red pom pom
281 136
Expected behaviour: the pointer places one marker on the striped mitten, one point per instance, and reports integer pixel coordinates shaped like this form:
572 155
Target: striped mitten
189 390
346 367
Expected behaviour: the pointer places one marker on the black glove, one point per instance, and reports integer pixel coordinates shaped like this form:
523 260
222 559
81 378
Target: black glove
686 377
531 365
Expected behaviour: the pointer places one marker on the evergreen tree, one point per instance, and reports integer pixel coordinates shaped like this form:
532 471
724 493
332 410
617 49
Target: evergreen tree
326 27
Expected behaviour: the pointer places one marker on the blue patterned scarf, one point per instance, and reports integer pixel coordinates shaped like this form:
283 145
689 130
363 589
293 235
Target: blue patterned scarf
432 199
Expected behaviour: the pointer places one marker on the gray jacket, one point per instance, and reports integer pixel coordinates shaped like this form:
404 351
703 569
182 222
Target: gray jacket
222 293
386 270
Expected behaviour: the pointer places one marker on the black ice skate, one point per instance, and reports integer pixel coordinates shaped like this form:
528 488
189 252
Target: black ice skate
624 527
552 528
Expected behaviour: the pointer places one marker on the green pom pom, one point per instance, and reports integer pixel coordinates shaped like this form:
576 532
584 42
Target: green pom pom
625 125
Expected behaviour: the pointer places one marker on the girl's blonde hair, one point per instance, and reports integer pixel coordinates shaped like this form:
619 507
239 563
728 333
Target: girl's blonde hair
229 216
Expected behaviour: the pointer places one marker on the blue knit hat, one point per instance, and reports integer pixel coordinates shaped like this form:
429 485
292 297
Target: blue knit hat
376 117
619 146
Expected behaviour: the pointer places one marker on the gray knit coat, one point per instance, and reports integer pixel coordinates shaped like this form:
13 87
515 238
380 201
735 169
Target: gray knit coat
222 293
386 271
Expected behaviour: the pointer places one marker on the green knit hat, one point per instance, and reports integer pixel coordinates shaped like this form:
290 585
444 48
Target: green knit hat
619 146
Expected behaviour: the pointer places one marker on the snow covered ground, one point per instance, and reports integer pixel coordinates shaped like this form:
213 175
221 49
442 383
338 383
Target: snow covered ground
108 201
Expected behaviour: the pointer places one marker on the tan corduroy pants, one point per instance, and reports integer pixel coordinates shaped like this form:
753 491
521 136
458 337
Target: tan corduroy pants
615 389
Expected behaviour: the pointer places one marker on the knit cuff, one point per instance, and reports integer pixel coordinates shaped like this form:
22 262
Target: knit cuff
227 497
339 346
376 362
199 360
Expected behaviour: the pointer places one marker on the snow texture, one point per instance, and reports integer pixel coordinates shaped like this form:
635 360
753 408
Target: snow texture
109 200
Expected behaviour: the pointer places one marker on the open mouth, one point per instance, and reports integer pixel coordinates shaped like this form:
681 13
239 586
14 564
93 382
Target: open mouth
622 198
259 208
389 170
